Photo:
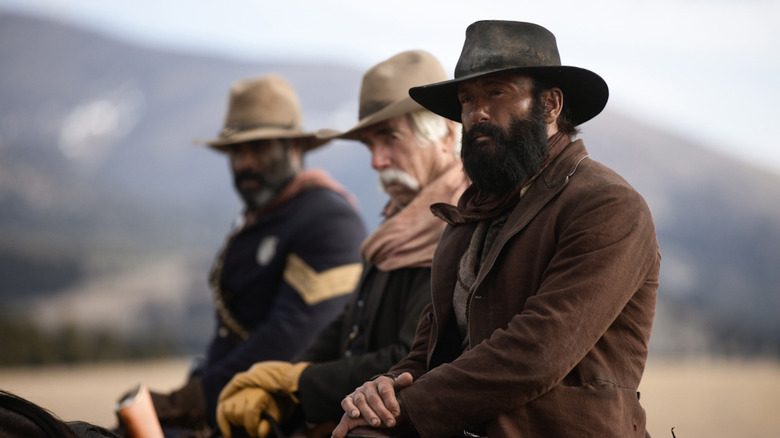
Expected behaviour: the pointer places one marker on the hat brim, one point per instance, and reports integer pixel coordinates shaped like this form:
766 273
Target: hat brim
311 140
397 108
584 92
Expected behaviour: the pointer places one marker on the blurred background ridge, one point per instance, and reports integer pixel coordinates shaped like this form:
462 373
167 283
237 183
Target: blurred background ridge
110 217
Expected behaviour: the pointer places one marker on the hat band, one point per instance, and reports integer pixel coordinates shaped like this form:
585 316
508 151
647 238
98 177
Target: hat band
231 130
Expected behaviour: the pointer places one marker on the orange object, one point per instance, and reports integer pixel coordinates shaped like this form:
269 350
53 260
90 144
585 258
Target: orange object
138 415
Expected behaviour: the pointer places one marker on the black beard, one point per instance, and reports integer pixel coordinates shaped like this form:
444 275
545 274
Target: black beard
515 155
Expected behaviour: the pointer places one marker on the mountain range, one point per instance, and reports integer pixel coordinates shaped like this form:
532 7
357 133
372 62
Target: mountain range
110 213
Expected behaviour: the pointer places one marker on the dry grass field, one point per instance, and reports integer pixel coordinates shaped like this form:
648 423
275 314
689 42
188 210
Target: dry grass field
699 398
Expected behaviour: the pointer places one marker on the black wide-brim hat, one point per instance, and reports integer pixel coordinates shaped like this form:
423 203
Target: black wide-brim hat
493 46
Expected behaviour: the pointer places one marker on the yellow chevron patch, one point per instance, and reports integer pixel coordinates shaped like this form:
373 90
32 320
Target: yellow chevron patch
315 287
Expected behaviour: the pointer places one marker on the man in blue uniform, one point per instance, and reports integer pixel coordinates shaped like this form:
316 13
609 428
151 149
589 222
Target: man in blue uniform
289 263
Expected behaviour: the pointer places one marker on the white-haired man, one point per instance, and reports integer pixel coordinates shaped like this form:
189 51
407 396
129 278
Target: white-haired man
415 154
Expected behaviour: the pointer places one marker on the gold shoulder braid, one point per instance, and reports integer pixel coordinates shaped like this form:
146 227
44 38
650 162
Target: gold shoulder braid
229 321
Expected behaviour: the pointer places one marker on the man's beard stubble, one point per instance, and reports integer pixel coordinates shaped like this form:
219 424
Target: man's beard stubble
269 187
513 157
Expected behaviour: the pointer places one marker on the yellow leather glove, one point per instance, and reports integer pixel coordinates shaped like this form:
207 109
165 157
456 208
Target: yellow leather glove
275 377
245 408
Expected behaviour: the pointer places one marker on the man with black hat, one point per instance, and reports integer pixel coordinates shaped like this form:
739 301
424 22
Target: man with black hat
544 281
415 154
291 260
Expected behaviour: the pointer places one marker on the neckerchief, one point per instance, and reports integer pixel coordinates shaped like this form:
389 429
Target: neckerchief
408 237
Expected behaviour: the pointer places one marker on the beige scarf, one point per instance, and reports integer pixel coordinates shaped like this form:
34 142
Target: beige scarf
408 237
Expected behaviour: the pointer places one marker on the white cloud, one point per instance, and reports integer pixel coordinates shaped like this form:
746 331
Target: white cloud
90 129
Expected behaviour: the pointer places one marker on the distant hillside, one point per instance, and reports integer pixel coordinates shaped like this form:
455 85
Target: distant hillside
110 217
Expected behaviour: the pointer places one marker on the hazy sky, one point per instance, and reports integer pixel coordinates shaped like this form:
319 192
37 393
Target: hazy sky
707 69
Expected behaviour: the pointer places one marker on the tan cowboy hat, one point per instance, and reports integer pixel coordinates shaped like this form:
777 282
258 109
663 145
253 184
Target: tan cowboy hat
263 108
509 46
384 93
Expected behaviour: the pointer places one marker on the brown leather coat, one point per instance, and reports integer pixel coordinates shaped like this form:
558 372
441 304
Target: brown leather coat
559 317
